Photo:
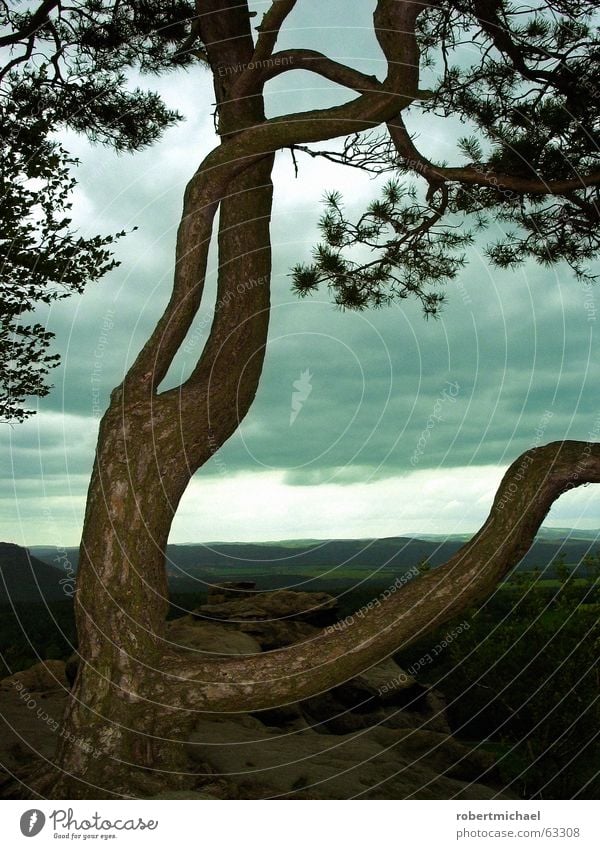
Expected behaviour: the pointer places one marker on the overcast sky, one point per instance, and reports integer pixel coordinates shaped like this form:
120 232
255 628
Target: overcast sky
511 362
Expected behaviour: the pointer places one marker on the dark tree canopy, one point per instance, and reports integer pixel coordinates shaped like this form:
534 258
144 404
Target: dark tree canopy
64 66
530 160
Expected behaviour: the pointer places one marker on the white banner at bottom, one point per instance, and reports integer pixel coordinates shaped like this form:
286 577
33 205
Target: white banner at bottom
301 824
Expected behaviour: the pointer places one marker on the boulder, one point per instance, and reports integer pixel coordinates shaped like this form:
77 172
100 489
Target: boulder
277 634
190 634
317 608
387 682
331 713
384 695
32 704
231 591
274 619
378 763
44 677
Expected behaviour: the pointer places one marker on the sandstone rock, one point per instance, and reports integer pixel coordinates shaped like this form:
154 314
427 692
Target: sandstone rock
277 634
247 757
231 591
380 735
381 695
285 717
446 754
274 619
31 721
184 794
315 608
387 681
376 763
190 634
44 677
329 714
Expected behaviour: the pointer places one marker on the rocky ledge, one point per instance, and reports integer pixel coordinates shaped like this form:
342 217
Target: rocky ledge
381 735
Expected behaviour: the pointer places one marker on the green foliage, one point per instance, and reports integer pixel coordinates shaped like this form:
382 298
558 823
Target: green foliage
525 82
524 679
409 252
41 259
66 66
532 94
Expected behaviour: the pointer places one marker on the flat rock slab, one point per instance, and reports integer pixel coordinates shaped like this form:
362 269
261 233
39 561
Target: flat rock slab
377 763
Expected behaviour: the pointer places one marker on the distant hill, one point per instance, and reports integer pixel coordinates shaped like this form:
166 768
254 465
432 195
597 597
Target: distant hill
544 535
337 565
24 578
338 560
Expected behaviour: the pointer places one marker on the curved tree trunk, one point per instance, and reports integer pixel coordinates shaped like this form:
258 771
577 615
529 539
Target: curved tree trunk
149 446
122 593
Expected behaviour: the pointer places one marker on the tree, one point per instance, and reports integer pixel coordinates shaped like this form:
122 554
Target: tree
531 164
62 66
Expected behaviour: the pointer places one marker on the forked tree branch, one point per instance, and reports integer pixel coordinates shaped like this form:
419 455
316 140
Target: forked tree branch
480 176
528 490
395 29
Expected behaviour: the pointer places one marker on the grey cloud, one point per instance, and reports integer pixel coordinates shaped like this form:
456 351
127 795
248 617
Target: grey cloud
517 344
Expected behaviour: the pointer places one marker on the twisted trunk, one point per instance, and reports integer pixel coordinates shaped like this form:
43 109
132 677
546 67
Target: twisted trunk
149 446
147 452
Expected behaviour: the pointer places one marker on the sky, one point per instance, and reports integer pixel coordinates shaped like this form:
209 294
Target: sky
365 424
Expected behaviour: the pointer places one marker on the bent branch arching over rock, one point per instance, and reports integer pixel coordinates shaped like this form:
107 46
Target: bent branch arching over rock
527 491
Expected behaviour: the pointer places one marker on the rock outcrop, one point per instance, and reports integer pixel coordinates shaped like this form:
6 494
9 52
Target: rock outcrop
273 619
32 703
380 735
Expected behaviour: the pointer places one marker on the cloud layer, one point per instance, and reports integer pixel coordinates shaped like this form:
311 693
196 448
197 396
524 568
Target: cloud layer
398 424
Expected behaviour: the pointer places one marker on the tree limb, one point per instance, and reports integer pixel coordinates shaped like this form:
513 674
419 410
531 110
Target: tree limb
304 60
269 28
528 490
480 176
38 18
